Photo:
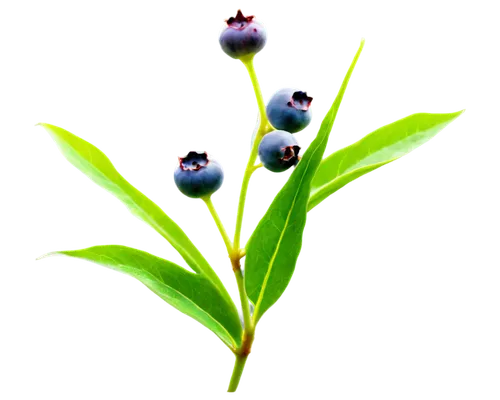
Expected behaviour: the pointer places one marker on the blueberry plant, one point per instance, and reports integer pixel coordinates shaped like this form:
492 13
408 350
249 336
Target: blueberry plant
272 250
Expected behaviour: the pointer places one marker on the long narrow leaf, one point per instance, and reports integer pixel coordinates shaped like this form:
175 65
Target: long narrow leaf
274 247
96 165
378 148
193 294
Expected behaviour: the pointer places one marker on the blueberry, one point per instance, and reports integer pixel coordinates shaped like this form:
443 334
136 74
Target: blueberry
289 110
242 36
197 175
278 151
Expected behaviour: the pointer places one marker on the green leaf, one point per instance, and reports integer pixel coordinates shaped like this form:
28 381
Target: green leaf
94 163
193 294
274 247
376 149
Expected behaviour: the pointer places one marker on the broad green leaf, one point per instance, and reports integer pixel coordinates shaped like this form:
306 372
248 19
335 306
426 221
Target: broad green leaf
193 294
376 149
274 246
94 163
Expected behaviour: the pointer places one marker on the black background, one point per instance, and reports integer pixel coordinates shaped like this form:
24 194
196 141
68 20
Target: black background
389 301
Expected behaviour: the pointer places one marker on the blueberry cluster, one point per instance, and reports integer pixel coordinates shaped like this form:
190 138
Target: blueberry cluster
288 111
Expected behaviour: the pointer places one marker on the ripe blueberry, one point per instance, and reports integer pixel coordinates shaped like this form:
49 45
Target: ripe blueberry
197 175
278 151
242 36
288 110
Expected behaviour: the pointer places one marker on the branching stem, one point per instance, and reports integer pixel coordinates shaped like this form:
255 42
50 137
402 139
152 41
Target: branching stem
249 328
264 127
220 226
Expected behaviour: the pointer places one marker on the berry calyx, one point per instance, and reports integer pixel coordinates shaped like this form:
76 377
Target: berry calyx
240 21
300 101
193 161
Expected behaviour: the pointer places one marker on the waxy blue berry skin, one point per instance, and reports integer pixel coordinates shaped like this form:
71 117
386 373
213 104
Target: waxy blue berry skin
289 110
242 37
197 175
279 151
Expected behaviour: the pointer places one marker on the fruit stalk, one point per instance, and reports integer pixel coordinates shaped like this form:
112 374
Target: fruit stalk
220 226
248 63
264 127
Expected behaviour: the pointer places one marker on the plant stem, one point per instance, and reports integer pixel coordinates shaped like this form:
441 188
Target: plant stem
239 364
220 226
264 127
243 195
243 297
249 328
248 63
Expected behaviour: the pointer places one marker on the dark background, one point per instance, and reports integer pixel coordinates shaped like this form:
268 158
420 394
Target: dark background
389 303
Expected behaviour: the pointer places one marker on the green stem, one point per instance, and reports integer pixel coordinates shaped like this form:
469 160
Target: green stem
218 222
248 63
243 297
237 371
243 196
264 128
248 331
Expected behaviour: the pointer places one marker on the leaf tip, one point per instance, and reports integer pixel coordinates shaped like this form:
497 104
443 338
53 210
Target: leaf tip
38 260
50 254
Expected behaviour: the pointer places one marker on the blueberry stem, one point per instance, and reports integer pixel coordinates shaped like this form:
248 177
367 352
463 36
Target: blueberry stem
249 328
256 167
243 351
264 128
235 256
248 333
220 226
248 63
237 372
